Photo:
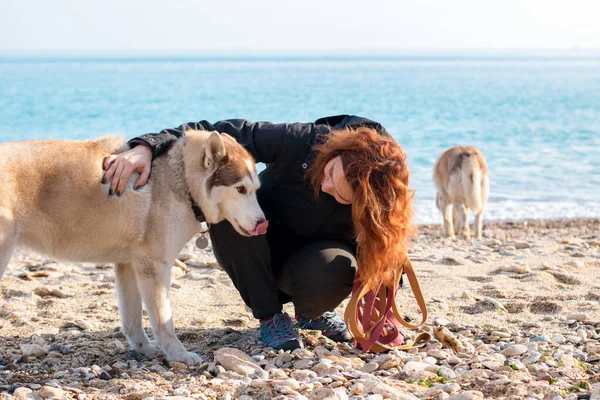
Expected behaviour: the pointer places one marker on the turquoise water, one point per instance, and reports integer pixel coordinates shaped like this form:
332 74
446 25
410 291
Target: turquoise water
536 120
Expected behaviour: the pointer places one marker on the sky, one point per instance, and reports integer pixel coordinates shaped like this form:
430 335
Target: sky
302 26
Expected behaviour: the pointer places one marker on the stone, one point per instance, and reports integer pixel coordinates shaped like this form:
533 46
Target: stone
23 393
493 365
185 256
158 368
370 367
438 354
531 358
492 242
181 391
415 366
257 383
276 373
576 263
515 350
500 334
517 269
446 372
453 360
468 395
303 364
568 361
324 393
389 364
79 324
303 375
581 317
49 392
284 357
177 366
289 383
596 393
497 305
341 394
237 361
558 339
36 339
33 350
303 353
44 291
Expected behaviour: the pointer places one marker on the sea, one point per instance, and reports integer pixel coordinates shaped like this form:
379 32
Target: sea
536 119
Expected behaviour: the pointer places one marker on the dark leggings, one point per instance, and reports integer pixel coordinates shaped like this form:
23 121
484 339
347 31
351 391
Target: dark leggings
279 267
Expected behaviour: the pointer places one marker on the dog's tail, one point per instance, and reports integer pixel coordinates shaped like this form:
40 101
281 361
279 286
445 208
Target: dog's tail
472 181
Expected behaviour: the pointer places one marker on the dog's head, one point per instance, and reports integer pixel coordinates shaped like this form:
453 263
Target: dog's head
222 179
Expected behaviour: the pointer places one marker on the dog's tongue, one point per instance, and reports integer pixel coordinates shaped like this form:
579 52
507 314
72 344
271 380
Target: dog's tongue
261 229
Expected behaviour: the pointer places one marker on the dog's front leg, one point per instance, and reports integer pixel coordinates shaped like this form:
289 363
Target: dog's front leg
130 308
153 283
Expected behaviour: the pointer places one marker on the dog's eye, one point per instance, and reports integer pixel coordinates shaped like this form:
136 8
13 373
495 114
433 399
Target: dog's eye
241 190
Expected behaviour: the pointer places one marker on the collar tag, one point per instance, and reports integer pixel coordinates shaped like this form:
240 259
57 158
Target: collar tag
202 242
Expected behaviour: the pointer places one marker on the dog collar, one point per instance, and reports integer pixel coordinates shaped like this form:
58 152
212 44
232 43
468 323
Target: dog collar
202 240
197 211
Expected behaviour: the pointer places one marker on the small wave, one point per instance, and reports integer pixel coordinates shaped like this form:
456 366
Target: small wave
521 210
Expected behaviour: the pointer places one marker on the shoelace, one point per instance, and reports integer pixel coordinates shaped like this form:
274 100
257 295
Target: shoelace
282 327
328 320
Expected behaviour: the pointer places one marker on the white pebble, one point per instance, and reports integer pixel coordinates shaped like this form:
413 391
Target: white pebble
515 350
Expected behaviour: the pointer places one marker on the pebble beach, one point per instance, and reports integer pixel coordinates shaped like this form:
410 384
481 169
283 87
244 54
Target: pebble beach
513 316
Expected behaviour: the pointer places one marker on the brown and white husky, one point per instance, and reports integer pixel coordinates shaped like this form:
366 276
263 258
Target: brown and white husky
462 181
52 201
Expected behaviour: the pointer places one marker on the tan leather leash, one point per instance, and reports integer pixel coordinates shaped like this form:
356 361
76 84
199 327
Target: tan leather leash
374 320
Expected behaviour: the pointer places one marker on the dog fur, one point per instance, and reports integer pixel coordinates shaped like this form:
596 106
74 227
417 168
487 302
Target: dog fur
52 201
462 181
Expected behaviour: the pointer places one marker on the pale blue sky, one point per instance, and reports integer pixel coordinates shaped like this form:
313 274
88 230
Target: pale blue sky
269 26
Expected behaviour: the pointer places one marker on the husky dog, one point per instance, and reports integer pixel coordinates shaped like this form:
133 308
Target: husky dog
463 184
52 201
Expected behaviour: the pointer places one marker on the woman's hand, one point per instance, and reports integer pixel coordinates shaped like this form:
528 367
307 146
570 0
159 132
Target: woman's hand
119 168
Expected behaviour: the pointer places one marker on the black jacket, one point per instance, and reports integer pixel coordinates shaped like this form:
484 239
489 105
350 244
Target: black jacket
285 196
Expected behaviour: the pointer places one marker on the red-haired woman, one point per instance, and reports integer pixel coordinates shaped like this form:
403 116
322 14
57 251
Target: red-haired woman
336 195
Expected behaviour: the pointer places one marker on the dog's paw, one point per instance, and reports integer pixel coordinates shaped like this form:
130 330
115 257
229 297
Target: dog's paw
187 357
149 349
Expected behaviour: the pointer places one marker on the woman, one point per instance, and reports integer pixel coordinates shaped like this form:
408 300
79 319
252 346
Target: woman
336 195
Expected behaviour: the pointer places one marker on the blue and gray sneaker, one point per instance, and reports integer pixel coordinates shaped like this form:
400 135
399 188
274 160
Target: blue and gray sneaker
329 324
279 332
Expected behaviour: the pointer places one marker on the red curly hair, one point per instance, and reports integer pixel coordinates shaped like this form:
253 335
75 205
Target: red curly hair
375 167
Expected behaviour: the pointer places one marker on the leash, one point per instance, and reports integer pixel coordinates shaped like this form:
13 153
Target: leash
373 318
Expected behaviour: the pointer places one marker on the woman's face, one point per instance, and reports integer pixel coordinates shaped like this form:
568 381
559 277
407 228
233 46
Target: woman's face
335 183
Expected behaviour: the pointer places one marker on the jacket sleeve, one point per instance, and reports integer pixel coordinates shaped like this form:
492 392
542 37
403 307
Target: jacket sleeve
264 140
348 121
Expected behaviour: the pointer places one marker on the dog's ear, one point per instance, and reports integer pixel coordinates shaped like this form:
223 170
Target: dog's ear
214 150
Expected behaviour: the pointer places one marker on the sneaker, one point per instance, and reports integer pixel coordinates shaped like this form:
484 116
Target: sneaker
279 332
330 324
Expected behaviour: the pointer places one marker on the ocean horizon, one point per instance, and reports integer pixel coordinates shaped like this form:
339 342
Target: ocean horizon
536 118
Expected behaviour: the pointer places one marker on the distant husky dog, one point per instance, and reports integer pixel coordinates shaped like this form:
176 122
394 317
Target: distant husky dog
463 184
52 201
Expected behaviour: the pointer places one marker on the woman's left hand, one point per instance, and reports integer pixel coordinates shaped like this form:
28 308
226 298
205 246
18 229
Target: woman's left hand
120 167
